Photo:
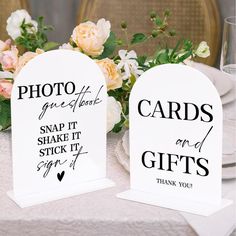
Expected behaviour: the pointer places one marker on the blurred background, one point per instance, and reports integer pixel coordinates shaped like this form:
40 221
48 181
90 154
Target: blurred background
63 14
194 19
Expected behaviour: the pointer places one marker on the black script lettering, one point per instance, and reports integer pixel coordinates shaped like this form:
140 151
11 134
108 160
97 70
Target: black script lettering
48 165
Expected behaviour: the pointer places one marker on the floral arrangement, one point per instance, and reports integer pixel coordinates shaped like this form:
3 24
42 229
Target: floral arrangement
116 58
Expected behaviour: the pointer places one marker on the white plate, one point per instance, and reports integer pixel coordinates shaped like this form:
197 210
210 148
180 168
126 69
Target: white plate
207 70
229 172
121 156
222 81
229 137
229 111
230 96
125 142
229 159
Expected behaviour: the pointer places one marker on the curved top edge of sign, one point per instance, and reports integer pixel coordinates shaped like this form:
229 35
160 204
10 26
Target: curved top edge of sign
202 76
59 52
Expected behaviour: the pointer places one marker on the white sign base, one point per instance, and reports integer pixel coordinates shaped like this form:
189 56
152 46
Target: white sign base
193 207
35 199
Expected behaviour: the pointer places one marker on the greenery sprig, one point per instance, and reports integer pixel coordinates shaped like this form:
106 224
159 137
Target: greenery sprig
32 38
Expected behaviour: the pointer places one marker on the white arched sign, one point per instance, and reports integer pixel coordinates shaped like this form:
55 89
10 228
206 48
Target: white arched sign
58 128
176 140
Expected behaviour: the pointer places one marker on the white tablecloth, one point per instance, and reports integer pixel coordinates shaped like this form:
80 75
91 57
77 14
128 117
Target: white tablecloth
97 213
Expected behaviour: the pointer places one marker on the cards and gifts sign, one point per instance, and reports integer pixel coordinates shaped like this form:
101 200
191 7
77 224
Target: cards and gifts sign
58 147
175 140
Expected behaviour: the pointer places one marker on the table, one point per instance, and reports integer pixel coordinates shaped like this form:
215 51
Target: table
97 213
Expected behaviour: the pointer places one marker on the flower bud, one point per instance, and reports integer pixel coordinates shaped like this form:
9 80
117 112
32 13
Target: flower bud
167 13
154 33
119 42
172 33
123 25
153 14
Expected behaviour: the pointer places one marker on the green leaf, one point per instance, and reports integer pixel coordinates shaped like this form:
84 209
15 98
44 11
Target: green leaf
175 49
167 13
126 123
50 45
112 93
141 60
109 46
187 45
5 114
163 58
185 56
31 39
2 98
158 21
138 38
132 80
118 127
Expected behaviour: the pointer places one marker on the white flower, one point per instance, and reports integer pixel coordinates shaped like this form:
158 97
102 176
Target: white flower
15 20
129 64
113 113
203 50
66 46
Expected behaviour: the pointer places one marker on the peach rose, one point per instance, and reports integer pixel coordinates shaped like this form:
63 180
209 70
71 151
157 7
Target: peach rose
9 59
25 58
90 37
5 45
111 73
5 88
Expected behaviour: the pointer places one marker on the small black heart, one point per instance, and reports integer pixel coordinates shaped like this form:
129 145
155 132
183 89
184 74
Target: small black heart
60 175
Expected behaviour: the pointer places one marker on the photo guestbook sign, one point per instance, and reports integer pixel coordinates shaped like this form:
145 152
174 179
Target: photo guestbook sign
176 141
58 128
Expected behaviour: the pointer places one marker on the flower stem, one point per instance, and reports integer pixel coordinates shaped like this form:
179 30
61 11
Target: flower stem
127 39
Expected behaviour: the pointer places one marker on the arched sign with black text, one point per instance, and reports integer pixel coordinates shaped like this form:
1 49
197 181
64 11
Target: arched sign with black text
58 128
176 141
